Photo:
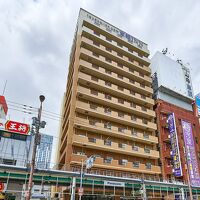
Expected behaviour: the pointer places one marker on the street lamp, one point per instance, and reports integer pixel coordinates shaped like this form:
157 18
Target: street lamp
38 124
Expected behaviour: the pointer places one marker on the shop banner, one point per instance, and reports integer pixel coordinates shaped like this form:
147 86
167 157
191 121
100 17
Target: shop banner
175 153
190 153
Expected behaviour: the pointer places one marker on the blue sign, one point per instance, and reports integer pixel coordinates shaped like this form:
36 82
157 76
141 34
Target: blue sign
197 98
175 154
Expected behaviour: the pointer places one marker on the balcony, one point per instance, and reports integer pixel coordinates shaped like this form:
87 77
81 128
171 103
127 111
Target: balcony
84 108
87 55
113 103
79 140
86 32
86 79
98 127
114 165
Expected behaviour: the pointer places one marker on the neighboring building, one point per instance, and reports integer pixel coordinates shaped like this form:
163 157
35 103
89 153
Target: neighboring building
108 105
3 107
175 112
44 150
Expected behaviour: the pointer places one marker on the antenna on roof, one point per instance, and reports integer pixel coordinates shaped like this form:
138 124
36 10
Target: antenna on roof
164 51
4 88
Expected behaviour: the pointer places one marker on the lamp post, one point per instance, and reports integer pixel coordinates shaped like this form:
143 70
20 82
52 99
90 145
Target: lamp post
38 124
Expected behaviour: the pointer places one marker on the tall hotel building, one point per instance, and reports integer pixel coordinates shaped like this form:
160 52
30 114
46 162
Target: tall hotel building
108 105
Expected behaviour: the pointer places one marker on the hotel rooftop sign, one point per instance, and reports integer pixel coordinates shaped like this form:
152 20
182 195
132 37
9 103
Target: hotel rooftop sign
113 30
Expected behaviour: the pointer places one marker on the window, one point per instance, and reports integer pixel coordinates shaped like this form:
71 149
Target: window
94 92
108 160
131 81
108 39
119 54
144 109
145 121
107 111
148 165
146 150
120 45
123 162
133 118
107 125
121 101
121 129
107 142
130 50
94 79
134 132
140 74
131 70
142 85
132 92
143 96
133 105
108 83
107 96
95 66
140 55
108 60
119 65
96 33
146 135
120 76
135 148
93 140
136 164
130 59
92 122
121 114
122 145
120 88
140 64
93 106
108 49
96 43
108 71
95 54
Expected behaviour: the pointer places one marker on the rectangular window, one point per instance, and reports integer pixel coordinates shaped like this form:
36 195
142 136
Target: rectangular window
94 79
131 81
119 65
145 121
122 145
119 54
148 165
144 109
135 148
146 135
140 74
120 76
134 132
131 70
133 118
95 66
133 105
107 125
108 49
132 92
140 64
92 122
108 60
96 33
108 83
95 54
120 45
108 39
143 96
108 160
94 92
107 110
93 140
121 114
123 162
93 106
108 71
136 164
130 59
96 43
120 88
107 142
142 85
146 150
121 129
107 96
130 50
121 101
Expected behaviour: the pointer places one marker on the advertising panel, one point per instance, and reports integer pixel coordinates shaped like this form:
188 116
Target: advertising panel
174 146
14 127
190 153
197 99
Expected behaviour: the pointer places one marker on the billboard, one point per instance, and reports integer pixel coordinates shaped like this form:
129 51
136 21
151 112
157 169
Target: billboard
197 100
175 154
190 154
14 127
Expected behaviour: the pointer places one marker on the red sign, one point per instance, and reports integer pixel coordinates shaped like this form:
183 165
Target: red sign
1 187
17 127
80 191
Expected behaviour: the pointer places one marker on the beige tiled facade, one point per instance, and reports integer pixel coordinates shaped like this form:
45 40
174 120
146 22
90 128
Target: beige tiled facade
108 105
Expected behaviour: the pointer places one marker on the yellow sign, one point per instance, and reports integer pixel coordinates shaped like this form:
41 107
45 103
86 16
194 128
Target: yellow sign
2 196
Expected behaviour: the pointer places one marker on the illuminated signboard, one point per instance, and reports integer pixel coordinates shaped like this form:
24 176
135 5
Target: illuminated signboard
174 146
190 153
14 127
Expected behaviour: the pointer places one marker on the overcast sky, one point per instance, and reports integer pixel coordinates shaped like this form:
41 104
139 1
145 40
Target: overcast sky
36 37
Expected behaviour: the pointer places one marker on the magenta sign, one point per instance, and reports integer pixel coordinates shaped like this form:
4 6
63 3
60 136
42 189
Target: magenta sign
190 153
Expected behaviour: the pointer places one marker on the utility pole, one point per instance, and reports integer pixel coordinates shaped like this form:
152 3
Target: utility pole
38 124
